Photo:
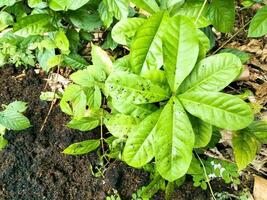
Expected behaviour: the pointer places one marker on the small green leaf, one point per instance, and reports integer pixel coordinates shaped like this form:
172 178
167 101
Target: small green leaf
85 20
180 50
3 142
258 25
120 125
125 29
243 56
58 5
119 8
138 149
18 106
101 59
62 41
83 147
75 61
7 3
175 139
83 78
79 105
219 109
222 15
65 107
132 88
148 5
54 61
83 124
245 148
5 20
14 120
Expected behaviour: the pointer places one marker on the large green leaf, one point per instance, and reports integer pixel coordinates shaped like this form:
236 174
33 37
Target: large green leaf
33 25
258 25
222 15
180 50
146 48
202 130
125 29
174 138
120 125
148 5
213 73
138 149
105 15
245 148
83 147
11 119
219 109
132 88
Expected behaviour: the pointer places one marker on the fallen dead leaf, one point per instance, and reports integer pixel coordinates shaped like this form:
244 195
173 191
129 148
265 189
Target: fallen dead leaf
260 188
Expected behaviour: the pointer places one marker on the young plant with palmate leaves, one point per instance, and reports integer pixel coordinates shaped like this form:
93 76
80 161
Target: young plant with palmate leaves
11 118
185 91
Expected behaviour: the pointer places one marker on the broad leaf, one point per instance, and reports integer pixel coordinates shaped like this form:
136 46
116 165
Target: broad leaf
258 25
222 15
138 149
202 130
11 119
83 124
180 50
132 88
213 73
83 147
7 3
120 125
125 29
243 56
219 109
146 48
174 138
79 105
105 15
33 25
148 5
245 148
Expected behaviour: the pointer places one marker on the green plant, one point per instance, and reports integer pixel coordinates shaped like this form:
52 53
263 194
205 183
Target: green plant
11 118
161 112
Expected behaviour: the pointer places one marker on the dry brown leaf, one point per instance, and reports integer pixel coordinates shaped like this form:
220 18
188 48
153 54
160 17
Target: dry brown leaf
260 188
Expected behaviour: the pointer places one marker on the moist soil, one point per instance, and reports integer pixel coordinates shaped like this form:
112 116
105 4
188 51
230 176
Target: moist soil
32 166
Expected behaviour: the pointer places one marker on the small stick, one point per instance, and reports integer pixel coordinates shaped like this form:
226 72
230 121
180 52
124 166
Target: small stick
231 38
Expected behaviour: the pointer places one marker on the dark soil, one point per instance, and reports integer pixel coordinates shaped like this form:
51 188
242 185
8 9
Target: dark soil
32 166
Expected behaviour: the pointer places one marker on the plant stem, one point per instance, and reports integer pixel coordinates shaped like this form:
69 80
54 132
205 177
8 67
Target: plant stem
206 175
